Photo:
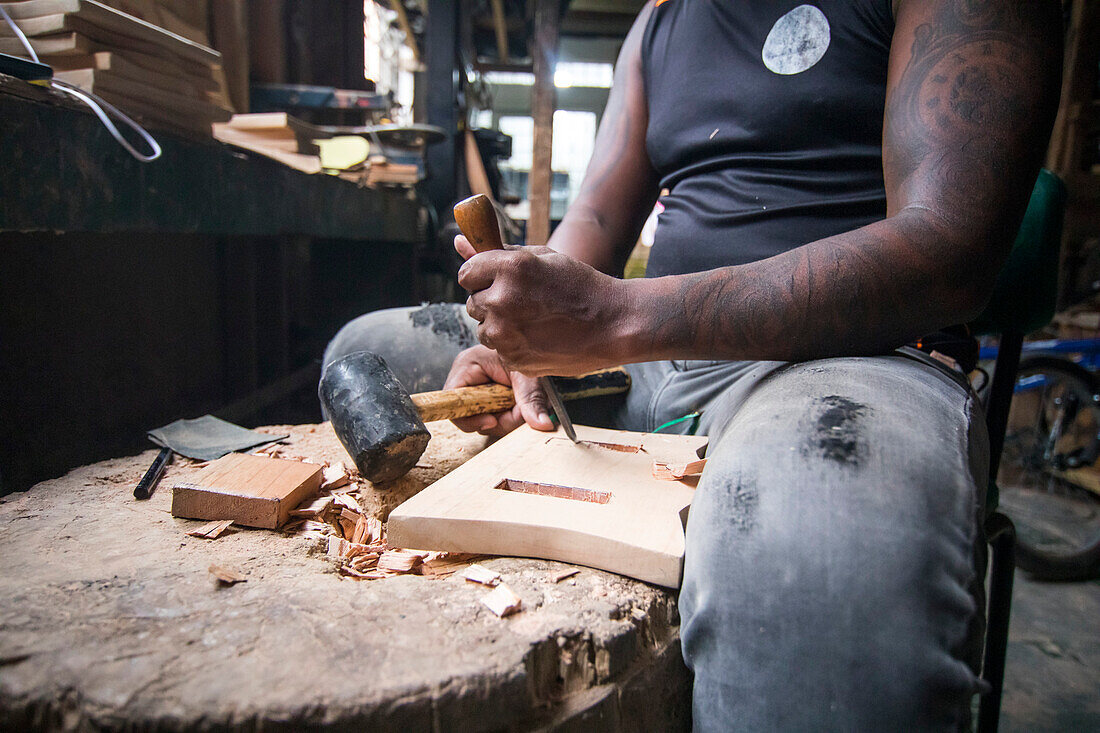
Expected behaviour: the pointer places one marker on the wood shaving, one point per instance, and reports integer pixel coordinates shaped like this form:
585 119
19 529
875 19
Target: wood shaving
359 575
333 476
676 471
347 525
211 531
503 601
365 560
400 560
313 507
481 574
356 540
227 576
337 546
445 564
360 530
375 531
314 526
348 503
563 574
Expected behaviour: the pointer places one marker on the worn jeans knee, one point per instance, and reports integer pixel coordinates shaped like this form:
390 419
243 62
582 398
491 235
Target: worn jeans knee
830 580
419 344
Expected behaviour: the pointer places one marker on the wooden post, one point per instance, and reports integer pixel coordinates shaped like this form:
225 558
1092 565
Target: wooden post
440 56
501 31
403 23
544 55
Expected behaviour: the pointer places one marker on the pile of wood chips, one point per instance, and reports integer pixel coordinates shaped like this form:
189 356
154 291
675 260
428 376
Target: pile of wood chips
357 541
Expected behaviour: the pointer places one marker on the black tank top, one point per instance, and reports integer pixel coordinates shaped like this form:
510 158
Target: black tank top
765 124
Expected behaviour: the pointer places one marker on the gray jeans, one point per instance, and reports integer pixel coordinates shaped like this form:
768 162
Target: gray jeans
833 576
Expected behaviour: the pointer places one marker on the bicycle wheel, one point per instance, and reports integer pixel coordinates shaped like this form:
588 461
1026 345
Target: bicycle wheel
1048 478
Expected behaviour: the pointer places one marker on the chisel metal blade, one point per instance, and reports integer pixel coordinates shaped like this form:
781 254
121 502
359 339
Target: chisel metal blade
552 394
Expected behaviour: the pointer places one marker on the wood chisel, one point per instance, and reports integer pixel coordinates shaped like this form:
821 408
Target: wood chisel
478 221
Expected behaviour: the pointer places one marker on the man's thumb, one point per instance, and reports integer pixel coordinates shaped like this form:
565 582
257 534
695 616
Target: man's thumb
532 402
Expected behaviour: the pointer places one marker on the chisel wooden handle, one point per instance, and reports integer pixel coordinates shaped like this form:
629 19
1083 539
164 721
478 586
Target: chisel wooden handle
484 399
477 219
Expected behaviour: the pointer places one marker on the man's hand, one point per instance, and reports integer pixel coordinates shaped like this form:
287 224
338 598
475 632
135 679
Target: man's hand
480 365
544 312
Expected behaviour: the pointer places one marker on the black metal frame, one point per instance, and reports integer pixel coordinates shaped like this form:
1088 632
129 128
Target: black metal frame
1001 536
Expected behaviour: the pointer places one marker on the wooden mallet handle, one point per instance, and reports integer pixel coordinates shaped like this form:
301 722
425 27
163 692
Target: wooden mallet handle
448 404
477 219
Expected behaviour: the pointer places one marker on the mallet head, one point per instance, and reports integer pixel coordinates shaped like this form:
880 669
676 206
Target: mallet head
373 416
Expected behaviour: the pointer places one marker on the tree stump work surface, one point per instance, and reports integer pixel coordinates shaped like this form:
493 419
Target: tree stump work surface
110 619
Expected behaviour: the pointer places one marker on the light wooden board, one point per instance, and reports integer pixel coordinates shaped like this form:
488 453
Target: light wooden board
115 65
140 67
621 519
281 148
255 491
105 83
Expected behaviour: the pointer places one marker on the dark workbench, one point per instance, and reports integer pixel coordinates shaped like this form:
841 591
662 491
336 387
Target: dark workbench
134 294
64 173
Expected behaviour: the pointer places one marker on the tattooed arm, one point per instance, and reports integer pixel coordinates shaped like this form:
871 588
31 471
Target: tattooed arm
971 94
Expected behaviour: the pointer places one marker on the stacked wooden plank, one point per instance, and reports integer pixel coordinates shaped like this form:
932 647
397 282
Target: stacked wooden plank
381 171
161 78
272 134
282 137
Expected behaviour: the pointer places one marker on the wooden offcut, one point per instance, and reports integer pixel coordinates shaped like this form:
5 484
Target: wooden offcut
676 471
480 574
251 490
544 55
226 575
503 601
536 494
272 134
211 531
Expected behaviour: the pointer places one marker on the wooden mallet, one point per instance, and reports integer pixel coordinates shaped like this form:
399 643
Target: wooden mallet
382 426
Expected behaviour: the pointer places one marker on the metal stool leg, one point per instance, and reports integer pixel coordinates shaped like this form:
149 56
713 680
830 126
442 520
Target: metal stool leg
1001 535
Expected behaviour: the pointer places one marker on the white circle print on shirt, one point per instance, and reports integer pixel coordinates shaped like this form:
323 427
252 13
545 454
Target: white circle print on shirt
797 41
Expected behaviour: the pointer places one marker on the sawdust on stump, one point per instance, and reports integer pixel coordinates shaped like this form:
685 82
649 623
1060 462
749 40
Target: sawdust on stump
349 512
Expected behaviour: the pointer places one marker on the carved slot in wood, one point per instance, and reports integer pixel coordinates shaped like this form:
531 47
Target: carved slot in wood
620 447
554 490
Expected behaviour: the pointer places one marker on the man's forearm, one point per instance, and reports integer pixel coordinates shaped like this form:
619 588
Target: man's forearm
862 292
586 237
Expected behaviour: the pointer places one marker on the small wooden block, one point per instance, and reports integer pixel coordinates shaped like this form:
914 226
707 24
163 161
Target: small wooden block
503 601
251 490
334 476
536 494
481 574
562 575
226 575
676 471
313 508
211 531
